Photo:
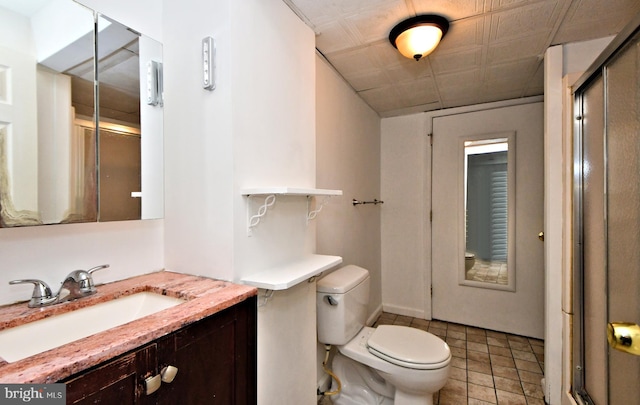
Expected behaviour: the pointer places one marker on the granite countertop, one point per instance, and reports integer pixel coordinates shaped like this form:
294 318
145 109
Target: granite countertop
204 297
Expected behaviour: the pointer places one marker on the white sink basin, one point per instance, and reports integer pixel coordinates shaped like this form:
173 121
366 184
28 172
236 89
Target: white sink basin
36 337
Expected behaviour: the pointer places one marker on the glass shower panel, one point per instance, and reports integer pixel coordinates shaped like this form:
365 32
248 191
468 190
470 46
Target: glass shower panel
594 274
623 214
607 192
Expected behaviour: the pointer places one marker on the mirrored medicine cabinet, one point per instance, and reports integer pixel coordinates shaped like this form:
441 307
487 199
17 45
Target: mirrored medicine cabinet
81 128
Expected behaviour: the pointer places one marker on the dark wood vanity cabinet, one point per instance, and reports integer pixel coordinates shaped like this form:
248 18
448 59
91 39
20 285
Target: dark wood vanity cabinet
116 382
215 358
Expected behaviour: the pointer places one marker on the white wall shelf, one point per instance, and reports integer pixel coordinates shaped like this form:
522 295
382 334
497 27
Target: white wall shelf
292 273
270 194
308 192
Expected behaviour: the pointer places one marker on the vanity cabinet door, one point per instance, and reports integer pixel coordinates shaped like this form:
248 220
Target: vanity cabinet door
216 359
116 382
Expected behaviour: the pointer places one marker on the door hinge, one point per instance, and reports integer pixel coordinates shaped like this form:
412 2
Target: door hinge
430 216
430 139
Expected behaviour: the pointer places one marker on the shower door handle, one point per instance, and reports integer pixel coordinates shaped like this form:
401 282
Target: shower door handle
624 336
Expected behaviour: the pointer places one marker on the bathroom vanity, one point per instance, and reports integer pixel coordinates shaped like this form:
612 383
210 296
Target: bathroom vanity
200 351
213 358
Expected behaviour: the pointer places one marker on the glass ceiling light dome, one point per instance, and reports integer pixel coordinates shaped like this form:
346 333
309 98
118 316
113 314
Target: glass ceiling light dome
418 36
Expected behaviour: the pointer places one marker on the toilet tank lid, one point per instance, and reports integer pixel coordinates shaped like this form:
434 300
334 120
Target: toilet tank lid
342 280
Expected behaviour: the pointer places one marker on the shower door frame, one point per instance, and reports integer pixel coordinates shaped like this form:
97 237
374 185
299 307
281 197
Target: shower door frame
598 70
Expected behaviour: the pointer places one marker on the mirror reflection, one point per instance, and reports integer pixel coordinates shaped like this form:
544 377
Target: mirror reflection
55 165
42 178
130 132
119 121
486 210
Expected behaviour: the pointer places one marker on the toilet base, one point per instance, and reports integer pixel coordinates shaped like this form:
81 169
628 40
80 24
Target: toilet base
403 398
362 385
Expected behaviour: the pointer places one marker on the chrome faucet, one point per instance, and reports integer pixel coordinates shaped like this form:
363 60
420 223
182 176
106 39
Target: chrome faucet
77 284
41 295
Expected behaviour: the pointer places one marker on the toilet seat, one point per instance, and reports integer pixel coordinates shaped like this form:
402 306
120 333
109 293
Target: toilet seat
409 347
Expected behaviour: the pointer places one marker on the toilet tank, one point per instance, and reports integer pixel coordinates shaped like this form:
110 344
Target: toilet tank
342 298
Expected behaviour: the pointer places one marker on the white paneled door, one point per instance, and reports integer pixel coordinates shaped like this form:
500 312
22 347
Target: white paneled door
498 291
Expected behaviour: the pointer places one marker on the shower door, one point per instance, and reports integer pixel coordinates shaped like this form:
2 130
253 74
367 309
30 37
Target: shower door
606 365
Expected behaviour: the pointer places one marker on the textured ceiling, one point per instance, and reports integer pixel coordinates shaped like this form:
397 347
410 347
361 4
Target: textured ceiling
493 51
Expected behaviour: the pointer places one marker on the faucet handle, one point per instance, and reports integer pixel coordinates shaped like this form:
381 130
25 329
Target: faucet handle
41 292
94 269
84 278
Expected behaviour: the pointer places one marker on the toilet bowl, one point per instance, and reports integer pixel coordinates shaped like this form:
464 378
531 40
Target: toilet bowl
396 381
387 365
469 261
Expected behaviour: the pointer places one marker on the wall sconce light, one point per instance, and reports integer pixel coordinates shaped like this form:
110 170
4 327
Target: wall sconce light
418 36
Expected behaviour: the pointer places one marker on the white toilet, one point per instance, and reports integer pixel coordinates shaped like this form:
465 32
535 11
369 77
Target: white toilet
469 260
384 365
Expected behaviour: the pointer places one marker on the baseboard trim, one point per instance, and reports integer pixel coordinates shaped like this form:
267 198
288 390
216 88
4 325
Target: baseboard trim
375 315
406 311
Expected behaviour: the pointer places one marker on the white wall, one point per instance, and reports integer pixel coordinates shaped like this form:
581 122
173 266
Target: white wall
348 153
274 145
348 158
51 252
273 79
256 129
406 240
199 180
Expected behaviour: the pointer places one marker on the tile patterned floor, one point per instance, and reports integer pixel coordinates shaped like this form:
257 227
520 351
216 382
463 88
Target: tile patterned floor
487 367
489 272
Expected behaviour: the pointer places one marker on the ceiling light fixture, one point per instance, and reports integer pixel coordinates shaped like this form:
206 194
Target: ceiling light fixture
418 36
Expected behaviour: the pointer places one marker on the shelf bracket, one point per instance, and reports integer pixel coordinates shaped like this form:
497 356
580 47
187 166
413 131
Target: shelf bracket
311 215
254 220
270 199
268 294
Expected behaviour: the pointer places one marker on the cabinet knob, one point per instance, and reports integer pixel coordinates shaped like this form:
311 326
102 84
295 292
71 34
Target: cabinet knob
152 384
168 373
